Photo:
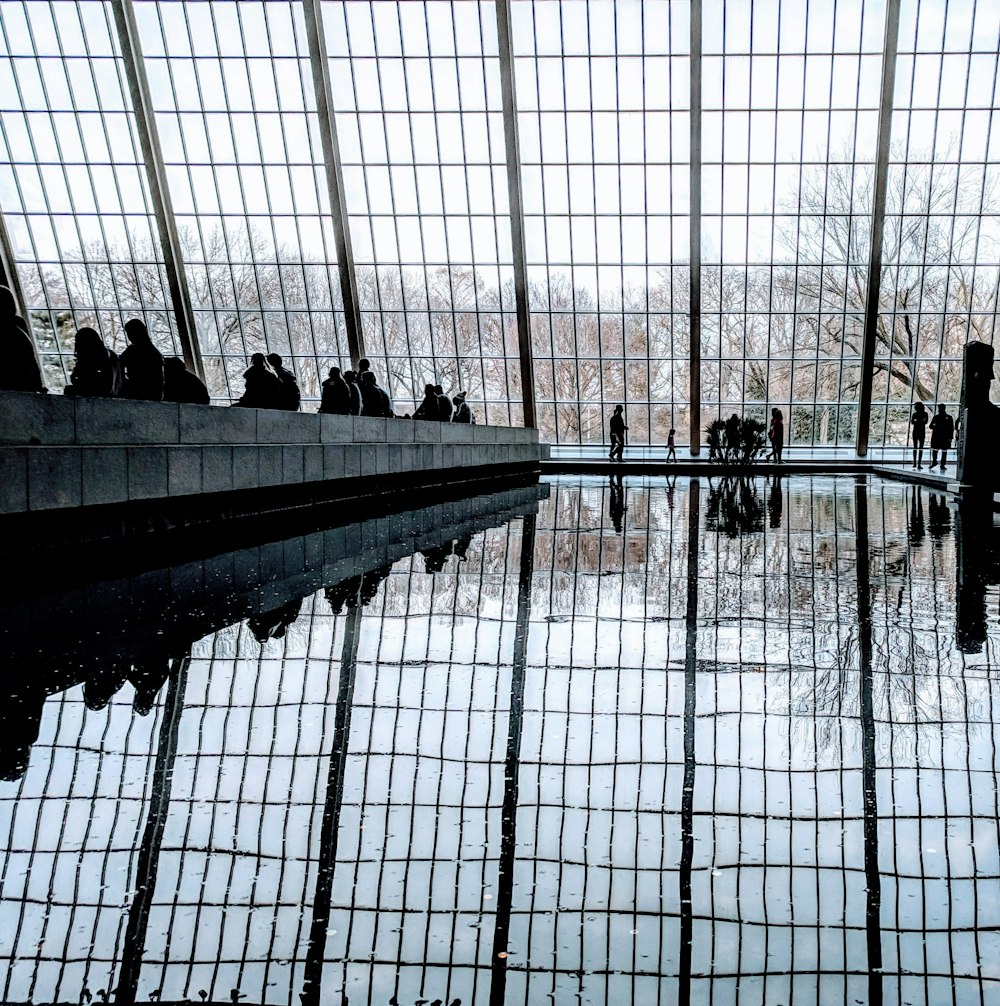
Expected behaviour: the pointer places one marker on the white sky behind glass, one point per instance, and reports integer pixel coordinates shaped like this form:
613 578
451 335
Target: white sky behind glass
603 96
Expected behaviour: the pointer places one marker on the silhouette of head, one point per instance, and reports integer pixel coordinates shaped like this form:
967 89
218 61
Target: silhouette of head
8 307
173 365
438 390
367 378
919 407
364 365
428 389
459 398
257 360
274 360
88 342
350 376
335 371
941 409
136 331
672 431
619 408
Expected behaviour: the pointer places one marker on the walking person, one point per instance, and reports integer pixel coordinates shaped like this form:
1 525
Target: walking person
942 434
618 428
918 421
671 448
776 434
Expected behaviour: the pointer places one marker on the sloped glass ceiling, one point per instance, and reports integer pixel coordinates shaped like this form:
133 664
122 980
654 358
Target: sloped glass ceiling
789 129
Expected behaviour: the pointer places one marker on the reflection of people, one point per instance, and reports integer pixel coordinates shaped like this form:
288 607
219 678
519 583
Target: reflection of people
671 487
617 429
918 422
616 504
938 516
942 433
915 528
775 502
272 624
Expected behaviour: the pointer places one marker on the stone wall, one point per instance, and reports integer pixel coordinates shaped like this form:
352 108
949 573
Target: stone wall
58 452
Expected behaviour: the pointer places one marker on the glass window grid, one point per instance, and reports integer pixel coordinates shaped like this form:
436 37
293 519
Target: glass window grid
65 75
72 183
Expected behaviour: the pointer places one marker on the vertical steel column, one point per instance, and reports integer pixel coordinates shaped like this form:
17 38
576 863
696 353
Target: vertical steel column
878 224
8 270
152 838
10 279
516 212
687 796
873 880
694 307
334 178
512 766
330 826
156 176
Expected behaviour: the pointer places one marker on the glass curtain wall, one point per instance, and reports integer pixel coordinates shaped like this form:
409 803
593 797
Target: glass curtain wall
942 228
232 88
73 185
789 123
604 124
420 119
790 130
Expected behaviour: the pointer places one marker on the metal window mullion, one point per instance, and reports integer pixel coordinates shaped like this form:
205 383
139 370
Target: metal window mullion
506 55
878 224
156 175
694 236
334 177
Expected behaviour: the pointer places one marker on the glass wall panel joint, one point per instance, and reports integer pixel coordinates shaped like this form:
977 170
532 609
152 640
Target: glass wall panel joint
878 222
516 211
180 295
319 61
694 326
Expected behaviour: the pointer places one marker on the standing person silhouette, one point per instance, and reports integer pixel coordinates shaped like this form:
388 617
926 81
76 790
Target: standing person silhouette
142 365
98 372
918 421
776 434
263 389
290 397
19 369
942 433
671 449
617 427
336 397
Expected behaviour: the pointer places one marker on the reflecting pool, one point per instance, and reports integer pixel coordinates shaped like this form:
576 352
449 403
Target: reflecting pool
595 741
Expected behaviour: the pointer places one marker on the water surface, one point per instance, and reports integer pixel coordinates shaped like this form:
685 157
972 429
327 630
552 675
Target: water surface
647 742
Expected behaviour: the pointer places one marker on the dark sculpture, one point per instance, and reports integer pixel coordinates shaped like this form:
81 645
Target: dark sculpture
979 420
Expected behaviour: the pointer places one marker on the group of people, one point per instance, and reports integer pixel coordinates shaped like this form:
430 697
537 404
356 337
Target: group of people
269 385
351 393
942 433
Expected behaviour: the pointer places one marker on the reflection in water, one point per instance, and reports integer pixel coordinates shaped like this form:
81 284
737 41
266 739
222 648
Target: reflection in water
559 759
